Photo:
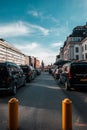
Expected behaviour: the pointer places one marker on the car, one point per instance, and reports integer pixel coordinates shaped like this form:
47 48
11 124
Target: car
11 77
53 71
50 70
74 75
29 72
57 73
38 71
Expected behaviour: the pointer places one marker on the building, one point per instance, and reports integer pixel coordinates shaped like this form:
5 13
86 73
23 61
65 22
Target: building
72 48
10 53
61 53
37 63
84 49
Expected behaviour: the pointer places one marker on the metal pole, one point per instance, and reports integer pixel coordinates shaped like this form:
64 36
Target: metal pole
66 114
13 114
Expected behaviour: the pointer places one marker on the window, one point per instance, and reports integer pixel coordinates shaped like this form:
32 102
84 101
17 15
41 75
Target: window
77 57
76 49
82 57
85 56
85 46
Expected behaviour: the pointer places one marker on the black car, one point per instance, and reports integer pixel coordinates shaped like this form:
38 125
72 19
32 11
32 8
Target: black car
28 71
38 71
74 75
11 77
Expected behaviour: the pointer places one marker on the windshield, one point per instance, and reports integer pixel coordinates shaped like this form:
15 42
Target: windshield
79 68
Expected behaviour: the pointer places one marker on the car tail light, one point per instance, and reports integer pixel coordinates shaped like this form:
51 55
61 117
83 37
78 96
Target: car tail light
7 80
69 75
28 73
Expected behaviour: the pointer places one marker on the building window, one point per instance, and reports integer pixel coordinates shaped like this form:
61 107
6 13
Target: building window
85 56
82 48
85 46
82 57
76 49
77 57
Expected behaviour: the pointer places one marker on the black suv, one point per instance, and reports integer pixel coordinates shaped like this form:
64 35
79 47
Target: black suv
11 77
74 74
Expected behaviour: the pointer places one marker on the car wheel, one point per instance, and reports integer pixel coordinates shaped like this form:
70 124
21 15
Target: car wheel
29 79
60 81
14 90
67 87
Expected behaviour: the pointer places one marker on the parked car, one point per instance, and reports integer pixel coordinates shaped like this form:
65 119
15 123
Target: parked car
29 72
74 75
38 71
34 73
53 71
57 73
11 77
50 70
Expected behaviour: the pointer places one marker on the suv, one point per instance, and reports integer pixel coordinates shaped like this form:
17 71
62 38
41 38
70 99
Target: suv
11 77
74 74
28 71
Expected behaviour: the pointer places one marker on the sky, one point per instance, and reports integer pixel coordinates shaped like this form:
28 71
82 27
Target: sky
39 27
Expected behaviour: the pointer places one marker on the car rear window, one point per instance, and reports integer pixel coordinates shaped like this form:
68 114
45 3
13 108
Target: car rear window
25 68
79 68
3 71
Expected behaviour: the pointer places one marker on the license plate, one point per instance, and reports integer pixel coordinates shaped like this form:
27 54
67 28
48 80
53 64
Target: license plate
83 79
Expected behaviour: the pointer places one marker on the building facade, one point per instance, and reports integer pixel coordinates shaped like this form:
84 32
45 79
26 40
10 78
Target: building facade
12 54
84 49
75 45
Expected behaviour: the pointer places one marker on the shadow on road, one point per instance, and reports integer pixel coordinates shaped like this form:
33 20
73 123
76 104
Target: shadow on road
79 104
43 92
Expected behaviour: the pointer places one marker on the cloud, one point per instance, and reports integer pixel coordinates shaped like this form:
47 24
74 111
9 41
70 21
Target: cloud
50 18
33 13
48 60
42 16
37 50
39 28
56 44
60 30
21 29
27 47
33 49
13 29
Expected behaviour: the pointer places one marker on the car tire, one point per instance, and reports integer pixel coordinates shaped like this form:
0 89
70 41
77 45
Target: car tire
67 87
24 84
29 79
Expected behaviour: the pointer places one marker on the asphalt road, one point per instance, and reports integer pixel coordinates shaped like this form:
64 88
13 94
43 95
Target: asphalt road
40 105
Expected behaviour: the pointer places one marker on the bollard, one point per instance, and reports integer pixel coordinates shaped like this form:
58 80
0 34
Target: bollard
66 114
13 114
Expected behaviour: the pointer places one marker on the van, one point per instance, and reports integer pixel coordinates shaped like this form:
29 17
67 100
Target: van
11 77
74 74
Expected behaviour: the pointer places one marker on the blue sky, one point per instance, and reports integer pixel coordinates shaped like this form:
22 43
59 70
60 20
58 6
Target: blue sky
40 27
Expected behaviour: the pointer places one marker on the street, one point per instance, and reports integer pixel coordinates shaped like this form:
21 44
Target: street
40 105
